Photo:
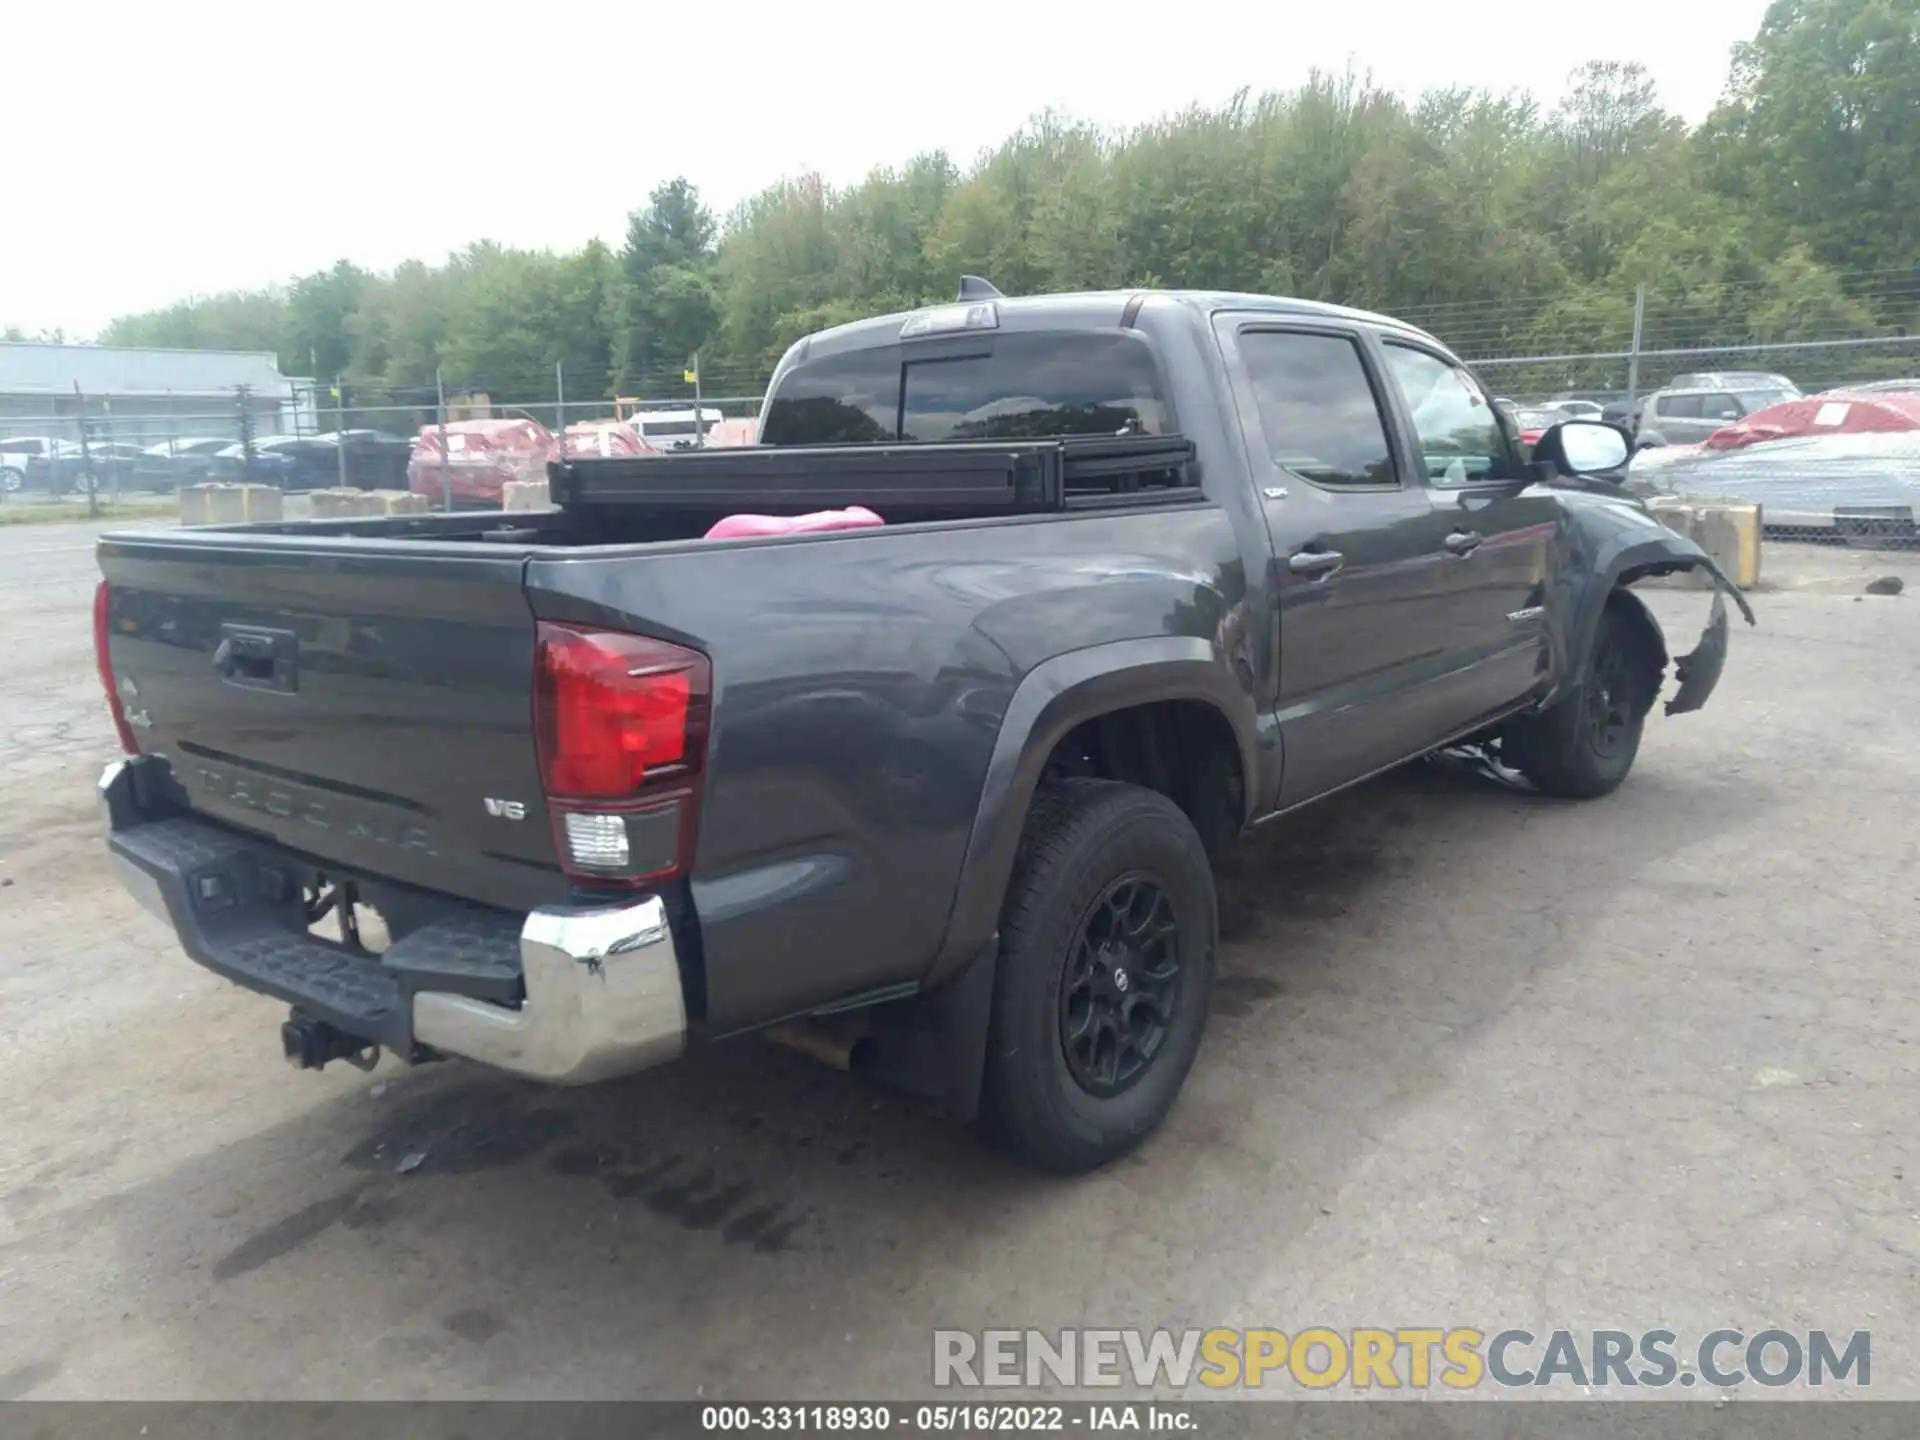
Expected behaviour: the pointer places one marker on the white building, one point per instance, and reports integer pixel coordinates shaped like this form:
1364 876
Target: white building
145 396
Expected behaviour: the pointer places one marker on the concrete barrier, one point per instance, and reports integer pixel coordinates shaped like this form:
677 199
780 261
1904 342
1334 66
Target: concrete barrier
1728 530
345 504
401 502
228 504
525 495
337 503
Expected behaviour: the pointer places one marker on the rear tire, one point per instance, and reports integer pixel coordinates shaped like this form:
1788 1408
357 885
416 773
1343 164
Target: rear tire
1585 746
1107 944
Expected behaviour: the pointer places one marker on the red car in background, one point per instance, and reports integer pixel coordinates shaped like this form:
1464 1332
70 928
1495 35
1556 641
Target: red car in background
601 437
1533 422
1838 412
479 458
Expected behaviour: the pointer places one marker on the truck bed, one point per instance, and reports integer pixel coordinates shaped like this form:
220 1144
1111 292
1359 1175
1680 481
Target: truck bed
360 691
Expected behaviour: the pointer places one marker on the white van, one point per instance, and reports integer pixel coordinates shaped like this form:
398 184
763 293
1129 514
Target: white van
674 429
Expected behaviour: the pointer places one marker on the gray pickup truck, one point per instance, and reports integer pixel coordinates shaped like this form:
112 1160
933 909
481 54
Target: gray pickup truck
563 792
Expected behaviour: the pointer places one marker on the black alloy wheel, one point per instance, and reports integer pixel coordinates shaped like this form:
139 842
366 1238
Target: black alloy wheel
1120 989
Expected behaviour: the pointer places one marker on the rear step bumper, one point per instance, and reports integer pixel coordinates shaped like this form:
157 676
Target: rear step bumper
598 988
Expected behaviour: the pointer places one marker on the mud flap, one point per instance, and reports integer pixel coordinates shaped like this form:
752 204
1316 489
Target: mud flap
1699 671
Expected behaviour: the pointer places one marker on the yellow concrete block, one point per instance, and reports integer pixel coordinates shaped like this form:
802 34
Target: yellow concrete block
397 502
1673 512
1731 533
238 504
338 503
525 495
226 504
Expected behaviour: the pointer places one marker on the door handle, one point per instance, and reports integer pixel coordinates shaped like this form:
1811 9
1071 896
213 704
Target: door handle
1315 562
1463 542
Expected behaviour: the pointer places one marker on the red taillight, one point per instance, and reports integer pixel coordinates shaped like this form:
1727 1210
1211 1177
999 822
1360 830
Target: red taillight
103 661
621 725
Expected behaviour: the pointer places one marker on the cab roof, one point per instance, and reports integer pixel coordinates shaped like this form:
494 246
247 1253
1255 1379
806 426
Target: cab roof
1083 310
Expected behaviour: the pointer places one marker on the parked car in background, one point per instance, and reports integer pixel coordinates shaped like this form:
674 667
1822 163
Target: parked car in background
1599 399
668 430
1624 413
106 465
1733 380
268 466
730 433
189 460
600 437
1843 413
375 459
17 452
1677 416
1534 421
479 458
63 467
1577 409
1876 387
1845 467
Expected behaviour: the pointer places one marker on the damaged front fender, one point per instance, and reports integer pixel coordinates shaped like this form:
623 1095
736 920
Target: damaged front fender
1698 671
1613 545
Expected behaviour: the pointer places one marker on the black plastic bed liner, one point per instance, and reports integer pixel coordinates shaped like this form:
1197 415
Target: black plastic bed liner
1004 476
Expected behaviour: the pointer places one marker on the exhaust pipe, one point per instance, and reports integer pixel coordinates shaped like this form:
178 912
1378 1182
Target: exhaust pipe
834 1051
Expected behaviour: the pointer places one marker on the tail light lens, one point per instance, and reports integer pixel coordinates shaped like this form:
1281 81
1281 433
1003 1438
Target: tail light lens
104 663
621 725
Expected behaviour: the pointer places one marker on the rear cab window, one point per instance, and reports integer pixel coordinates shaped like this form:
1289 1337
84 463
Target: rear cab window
1018 385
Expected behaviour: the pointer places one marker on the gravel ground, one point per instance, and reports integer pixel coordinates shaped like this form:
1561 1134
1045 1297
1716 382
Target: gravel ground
1478 1059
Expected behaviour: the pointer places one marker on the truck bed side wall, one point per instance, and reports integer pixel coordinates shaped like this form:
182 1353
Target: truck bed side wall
860 685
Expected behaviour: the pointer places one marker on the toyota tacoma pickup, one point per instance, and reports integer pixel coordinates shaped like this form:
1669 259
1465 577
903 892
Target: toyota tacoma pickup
564 792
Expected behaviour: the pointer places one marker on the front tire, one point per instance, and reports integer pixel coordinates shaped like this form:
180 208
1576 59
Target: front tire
1585 746
1107 945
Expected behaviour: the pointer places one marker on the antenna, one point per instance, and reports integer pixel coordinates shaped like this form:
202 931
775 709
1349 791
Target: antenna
972 287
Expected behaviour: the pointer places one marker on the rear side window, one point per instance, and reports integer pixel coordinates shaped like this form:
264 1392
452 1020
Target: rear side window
1036 387
1681 407
1318 412
1030 386
851 399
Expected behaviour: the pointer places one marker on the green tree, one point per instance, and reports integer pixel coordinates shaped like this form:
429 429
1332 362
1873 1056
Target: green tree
319 307
1505 229
666 308
1821 128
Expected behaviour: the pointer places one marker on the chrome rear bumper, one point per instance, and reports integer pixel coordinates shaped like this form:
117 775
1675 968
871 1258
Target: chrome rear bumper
603 999
599 987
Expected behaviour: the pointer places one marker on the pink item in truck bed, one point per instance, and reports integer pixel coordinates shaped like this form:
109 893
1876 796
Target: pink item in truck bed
854 517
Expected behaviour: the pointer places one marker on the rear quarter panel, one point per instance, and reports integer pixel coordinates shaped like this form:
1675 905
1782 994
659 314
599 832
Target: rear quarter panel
860 684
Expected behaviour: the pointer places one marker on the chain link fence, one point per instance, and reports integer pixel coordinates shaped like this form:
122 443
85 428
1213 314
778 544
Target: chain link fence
1673 364
1673 379
108 448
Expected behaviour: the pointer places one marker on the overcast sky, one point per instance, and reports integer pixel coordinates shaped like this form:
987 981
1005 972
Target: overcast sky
156 151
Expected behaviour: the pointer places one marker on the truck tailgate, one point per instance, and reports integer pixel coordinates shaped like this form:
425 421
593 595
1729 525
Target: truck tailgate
367 704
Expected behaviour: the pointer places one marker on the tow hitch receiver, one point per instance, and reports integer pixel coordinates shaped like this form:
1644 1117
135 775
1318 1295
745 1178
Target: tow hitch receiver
310 1044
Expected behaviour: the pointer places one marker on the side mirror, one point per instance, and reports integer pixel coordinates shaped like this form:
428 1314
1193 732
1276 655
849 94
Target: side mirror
1581 447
